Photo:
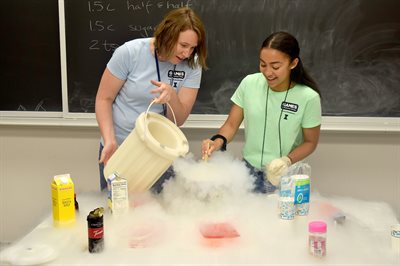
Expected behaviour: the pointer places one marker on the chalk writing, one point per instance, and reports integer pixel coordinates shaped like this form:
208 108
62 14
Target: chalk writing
39 107
178 4
99 25
139 5
102 45
143 30
99 6
148 6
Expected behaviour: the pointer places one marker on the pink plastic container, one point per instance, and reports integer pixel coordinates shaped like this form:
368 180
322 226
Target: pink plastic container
317 238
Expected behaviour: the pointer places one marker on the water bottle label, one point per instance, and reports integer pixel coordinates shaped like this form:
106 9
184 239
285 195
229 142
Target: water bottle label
302 192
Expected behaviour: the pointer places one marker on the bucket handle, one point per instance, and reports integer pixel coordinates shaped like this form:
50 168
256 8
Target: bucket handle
147 112
145 119
148 108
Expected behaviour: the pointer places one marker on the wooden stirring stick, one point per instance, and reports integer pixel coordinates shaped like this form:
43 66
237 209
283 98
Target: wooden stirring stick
206 155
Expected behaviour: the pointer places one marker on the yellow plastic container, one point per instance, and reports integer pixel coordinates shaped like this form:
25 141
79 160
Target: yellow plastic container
62 192
148 151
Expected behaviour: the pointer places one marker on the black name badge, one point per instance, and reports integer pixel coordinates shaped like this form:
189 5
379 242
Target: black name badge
176 74
292 107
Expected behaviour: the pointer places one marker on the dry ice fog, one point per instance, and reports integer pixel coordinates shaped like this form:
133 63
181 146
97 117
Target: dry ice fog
208 214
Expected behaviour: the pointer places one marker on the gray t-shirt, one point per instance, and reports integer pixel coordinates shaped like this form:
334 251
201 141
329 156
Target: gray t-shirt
134 63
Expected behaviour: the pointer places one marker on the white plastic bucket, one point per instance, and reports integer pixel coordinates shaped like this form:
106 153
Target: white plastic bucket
148 151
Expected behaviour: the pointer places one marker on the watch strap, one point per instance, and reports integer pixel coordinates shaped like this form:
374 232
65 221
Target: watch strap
219 136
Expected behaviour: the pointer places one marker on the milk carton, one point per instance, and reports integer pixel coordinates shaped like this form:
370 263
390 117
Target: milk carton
117 194
62 192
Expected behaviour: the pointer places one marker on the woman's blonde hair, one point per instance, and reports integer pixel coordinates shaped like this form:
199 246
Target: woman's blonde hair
167 34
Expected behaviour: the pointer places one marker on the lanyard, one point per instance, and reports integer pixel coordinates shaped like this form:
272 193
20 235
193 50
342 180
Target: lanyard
159 78
279 125
157 65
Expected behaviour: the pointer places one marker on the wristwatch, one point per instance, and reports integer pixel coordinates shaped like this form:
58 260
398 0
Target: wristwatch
218 136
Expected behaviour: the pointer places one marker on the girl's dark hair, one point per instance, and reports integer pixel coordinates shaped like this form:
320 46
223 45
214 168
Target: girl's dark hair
286 43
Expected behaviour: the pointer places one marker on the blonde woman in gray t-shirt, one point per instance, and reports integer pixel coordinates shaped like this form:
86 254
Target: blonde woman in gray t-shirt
166 68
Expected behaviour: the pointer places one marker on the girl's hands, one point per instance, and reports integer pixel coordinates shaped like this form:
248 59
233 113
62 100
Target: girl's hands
208 147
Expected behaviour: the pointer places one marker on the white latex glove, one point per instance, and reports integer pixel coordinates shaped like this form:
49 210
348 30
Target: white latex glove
276 168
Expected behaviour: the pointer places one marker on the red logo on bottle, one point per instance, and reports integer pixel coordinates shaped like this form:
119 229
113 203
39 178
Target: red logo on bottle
95 232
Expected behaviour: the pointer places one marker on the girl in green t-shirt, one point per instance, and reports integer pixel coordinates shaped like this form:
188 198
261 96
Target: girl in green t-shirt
281 110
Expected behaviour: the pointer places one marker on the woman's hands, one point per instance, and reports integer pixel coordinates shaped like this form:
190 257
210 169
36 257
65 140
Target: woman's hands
165 90
108 151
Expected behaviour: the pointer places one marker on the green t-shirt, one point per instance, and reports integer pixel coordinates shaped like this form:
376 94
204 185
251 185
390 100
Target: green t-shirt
302 109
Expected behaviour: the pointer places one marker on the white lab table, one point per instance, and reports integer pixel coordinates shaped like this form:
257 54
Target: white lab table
174 238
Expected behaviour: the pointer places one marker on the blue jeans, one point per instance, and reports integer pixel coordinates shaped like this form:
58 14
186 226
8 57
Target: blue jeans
156 188
103 182
261 185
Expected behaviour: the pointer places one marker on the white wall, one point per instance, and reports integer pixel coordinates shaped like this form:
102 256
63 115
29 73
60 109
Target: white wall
359 165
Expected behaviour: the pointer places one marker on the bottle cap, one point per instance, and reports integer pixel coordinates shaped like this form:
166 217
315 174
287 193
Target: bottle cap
317 227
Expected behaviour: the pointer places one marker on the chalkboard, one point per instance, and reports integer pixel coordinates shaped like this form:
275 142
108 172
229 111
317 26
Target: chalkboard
352 48
30 56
